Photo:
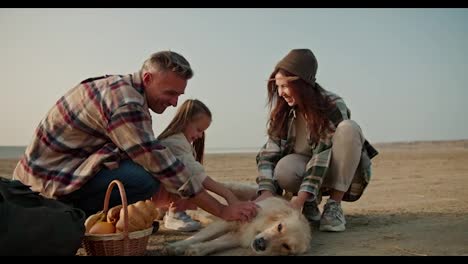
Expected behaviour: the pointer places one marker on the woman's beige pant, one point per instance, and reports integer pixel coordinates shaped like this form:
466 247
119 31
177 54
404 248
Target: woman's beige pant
345 158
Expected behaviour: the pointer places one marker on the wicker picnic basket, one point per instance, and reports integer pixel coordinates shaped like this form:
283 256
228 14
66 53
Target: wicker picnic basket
117 244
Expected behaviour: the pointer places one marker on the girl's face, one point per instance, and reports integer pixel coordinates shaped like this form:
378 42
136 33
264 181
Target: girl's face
284 88
196 127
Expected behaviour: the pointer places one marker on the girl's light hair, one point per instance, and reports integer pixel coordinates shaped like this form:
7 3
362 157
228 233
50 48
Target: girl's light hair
185 114
168 61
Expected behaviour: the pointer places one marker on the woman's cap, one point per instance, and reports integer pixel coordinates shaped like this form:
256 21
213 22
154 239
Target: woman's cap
300 62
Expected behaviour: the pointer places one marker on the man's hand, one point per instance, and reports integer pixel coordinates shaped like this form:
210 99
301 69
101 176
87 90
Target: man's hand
265 194
242 211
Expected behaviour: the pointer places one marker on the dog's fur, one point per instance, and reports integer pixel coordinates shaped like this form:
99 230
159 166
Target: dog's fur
278 229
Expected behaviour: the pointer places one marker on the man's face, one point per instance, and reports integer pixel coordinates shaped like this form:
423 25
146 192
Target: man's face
163 89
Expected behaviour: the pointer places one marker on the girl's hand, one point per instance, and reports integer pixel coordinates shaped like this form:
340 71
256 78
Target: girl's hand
233 200
242 211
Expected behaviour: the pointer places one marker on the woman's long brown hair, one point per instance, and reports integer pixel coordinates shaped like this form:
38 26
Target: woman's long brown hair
311 101
185 114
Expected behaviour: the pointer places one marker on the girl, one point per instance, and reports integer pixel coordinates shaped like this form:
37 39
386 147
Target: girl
185 137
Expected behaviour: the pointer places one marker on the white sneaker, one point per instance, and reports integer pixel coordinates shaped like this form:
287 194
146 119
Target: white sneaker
180 221
161 214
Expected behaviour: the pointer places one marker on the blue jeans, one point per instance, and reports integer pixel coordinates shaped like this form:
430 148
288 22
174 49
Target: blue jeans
138 183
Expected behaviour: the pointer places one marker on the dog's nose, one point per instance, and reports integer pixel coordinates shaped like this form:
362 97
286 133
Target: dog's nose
260 244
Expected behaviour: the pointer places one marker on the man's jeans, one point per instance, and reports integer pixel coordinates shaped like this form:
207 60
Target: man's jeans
138 183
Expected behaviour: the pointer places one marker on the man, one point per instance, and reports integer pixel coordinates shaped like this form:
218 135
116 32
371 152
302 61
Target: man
101 130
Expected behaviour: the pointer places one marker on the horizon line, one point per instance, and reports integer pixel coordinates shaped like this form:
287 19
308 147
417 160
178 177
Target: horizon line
258 147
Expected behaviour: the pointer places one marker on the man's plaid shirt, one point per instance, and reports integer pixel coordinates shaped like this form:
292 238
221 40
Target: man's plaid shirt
98 123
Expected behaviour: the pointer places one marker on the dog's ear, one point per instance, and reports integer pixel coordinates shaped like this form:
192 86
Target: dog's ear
273 218
277 214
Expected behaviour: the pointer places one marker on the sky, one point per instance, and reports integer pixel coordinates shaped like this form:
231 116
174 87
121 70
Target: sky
402 72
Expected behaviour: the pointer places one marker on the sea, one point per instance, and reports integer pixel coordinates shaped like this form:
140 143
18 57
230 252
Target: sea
15 152
11 152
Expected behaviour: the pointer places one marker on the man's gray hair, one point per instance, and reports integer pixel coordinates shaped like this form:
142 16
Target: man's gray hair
168 61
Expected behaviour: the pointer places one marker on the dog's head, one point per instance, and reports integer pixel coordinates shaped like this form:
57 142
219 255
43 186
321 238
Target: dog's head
286 232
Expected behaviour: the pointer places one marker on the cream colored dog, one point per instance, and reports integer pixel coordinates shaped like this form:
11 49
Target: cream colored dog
278 229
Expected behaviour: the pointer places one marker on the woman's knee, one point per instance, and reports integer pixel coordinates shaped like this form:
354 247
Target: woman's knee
289 170
347 131
285 180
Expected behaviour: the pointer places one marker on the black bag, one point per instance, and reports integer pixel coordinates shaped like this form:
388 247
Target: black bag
31 224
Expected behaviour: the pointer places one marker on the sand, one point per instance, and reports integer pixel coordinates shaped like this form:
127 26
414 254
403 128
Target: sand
416 203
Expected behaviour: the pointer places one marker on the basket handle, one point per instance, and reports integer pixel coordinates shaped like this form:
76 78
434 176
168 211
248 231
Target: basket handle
123 197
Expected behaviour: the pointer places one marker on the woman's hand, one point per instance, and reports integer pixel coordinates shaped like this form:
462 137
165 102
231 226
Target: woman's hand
264 194
296 203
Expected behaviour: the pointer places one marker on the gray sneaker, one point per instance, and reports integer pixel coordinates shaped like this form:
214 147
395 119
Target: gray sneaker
311 211
332 218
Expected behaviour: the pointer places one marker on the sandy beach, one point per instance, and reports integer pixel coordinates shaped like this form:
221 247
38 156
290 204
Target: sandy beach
416 203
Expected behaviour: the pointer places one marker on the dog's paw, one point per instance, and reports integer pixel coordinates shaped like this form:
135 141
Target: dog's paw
173 249
194 250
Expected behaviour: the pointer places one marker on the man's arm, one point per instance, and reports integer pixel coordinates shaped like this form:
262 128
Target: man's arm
130 129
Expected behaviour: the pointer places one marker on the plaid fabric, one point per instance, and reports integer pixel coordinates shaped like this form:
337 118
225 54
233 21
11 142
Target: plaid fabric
98 123
317 166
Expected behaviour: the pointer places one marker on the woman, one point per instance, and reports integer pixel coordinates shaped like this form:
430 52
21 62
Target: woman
313 146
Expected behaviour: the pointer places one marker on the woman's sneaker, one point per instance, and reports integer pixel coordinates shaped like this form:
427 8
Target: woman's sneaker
180 221
332 218
311 211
